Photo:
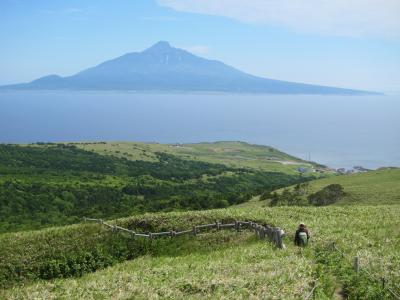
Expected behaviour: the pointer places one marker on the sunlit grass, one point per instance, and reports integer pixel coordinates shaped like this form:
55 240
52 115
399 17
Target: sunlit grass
226 264
369 188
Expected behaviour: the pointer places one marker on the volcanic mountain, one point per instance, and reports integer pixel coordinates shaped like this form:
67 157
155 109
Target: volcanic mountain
165 68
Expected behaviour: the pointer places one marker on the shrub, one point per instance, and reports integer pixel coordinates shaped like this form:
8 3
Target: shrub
328 195
291 197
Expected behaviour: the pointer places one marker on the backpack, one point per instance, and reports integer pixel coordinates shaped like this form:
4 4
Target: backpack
303 238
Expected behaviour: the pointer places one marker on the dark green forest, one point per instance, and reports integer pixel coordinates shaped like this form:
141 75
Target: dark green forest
57 184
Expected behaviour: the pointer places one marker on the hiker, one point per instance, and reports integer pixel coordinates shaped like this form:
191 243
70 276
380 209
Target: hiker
302 236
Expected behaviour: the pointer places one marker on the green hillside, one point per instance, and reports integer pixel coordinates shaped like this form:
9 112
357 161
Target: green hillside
57 184
233 154
367 188
370 188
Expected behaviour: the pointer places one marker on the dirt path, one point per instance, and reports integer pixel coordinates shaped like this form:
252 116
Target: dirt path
339 294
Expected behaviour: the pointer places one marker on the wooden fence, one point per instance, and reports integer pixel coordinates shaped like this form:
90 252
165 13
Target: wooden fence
273 234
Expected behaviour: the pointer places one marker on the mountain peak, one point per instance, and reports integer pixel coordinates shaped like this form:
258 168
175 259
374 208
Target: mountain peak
159 46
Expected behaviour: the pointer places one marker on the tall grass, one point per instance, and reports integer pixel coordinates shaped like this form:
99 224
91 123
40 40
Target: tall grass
224 264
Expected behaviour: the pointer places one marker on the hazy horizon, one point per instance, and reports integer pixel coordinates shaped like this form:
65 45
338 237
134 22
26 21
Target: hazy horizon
339 131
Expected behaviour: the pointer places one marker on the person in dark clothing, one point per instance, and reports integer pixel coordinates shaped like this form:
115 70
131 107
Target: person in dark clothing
302 236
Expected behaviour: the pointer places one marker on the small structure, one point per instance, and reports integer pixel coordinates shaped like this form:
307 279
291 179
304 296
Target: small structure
361 169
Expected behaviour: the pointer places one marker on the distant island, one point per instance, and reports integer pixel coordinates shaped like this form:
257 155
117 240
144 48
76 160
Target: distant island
167 69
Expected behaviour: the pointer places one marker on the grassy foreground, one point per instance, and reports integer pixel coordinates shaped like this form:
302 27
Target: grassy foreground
221 264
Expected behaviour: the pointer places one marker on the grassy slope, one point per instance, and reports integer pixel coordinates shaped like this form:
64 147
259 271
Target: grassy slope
370 188
233 154
223 264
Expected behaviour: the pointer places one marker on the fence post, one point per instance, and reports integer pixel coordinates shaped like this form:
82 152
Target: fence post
237 226
268 231
218 225
84 219
274 236
194 230
278 237
262 232
356 264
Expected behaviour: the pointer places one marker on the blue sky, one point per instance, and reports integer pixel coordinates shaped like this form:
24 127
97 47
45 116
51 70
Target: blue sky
348 43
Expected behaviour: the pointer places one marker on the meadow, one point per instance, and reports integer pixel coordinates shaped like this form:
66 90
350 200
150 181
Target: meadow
86 260
366 188
223 264
371 188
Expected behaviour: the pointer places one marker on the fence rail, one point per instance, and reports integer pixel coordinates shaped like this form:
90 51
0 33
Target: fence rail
273 234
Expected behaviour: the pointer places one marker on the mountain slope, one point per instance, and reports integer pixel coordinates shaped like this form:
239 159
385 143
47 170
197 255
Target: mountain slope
165 68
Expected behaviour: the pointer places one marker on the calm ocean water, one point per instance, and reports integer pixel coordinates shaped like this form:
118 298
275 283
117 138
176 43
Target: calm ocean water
335 130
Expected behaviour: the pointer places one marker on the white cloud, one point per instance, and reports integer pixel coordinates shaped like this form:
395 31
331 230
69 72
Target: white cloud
379 18
197 49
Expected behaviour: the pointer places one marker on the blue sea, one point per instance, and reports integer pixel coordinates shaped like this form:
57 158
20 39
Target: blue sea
339 131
